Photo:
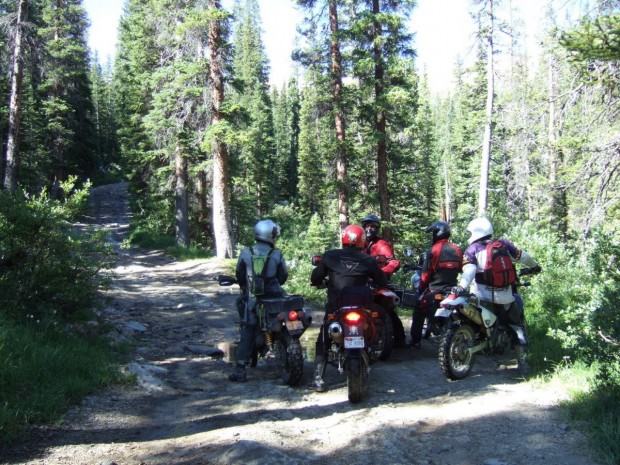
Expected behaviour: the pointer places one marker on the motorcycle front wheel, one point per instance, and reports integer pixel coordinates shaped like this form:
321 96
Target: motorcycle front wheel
290 360
356 379
454 357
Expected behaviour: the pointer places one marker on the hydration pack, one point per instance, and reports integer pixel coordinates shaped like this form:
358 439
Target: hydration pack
498 270
259 269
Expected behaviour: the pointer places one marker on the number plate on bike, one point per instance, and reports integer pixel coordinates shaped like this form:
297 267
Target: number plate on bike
443 312
354 342
292 325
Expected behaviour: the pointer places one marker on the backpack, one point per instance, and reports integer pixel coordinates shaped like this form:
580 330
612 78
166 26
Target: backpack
449 257
498 270
259 268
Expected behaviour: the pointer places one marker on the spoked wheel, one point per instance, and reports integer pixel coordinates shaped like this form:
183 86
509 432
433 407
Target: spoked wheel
290 360
387 336
454 357
357 375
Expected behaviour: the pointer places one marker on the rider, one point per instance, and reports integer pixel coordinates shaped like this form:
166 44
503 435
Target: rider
344 267
378 246
440 269
266 233
503 300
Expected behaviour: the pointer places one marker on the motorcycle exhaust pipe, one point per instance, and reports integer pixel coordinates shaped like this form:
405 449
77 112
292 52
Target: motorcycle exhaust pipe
335 333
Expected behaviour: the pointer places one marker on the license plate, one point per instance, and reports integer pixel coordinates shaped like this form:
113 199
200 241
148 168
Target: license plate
293 325
354 342
443 312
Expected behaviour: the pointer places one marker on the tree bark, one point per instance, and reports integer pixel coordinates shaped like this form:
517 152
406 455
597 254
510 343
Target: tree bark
221 211
12 158
483 198
181 207
341 162
380 125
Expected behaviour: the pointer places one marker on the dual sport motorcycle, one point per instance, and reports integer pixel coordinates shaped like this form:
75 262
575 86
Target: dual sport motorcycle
280 323
475 328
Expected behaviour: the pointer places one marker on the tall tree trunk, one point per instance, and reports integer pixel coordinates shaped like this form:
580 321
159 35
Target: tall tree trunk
341 161
12 158
181 208
483 198
380 124
221 210
557 196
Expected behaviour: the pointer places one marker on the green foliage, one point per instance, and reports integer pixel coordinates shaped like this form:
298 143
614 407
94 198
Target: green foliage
44 370
46 268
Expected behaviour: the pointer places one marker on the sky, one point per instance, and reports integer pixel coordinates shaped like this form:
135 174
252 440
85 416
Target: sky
443 31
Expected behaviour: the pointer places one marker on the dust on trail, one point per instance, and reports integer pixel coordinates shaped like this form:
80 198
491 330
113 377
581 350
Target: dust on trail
184 411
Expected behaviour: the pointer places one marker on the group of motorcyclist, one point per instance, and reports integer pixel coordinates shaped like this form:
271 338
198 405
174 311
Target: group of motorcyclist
355 264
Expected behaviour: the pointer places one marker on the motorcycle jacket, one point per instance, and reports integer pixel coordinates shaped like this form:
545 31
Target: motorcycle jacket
474 259
343 268
380 246
442 264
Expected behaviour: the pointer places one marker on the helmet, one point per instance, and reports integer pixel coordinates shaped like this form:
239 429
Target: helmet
371 220
352 235
266 231
440 230
479 228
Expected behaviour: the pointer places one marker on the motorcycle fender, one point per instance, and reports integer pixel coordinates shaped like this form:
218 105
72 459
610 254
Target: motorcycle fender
520 334
443 313
488 317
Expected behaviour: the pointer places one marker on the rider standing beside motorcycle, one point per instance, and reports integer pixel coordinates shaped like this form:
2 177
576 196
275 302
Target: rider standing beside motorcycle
503 299
344 267
378 246
440 269
266 232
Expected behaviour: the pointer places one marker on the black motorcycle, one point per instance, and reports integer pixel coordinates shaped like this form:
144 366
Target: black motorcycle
281 321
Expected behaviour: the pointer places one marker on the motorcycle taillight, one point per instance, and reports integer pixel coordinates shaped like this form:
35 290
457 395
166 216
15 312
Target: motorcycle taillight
353 317
292 315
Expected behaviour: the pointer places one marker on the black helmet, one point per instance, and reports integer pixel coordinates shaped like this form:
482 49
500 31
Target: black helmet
371 220
440 230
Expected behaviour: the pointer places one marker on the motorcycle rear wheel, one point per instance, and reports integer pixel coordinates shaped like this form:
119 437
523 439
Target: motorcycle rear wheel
290 360
454 358
356 379
387 335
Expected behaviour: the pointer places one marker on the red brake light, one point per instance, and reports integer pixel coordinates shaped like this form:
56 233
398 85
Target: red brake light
292 315
353 317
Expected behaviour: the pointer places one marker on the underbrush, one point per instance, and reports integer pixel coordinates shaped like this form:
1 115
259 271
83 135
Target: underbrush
45 370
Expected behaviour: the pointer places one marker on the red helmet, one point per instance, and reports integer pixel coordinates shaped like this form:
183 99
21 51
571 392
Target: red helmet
353 235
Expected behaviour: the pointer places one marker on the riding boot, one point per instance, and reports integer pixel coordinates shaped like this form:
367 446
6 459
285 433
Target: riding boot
319 371
522 365
238 375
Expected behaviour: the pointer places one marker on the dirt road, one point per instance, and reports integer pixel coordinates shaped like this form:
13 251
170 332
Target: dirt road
184 411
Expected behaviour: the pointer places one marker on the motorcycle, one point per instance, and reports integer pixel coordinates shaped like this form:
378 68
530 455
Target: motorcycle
358 335
475 329
280 323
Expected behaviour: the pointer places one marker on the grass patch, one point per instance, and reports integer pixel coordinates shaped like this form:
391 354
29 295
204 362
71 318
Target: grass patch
596 410
44 371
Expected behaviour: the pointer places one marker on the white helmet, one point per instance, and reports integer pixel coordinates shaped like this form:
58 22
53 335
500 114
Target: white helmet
479 228
266 231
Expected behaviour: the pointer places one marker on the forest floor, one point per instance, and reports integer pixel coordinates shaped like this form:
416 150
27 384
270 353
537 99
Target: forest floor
184 411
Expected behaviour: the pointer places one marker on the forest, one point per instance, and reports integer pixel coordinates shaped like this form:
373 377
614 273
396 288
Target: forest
186 115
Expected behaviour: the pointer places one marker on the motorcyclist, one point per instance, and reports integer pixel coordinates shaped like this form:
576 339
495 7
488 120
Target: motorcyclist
440 269
344 267
275 274
502 299
377 246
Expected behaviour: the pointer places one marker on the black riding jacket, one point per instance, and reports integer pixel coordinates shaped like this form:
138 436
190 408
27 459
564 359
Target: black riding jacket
346 267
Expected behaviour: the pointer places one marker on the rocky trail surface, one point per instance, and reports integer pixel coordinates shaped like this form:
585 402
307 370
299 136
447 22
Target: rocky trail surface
184 411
